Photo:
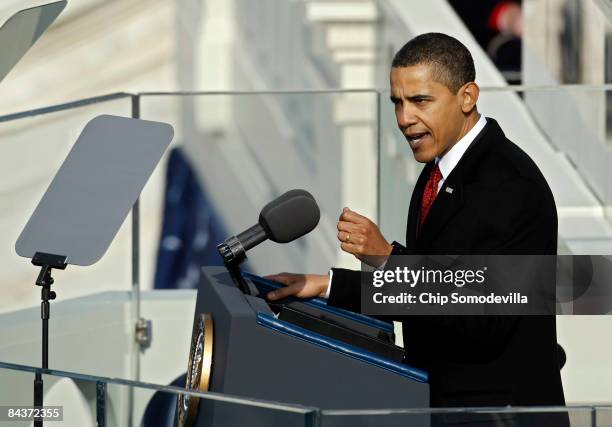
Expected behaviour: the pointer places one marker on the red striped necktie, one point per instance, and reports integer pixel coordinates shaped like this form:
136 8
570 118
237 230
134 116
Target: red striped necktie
429 194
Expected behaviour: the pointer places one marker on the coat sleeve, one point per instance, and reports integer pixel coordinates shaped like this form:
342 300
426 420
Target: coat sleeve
345 286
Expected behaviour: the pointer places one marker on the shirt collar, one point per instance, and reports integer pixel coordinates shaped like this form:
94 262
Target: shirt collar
448 162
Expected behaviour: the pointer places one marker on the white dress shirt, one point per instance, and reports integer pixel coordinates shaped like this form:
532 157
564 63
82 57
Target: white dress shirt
446 164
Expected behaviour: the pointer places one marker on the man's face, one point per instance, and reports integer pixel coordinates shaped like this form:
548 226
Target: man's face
427 112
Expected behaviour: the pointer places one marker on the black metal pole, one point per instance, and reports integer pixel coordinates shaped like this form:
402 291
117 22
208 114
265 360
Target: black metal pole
101 404
46 262
45 281
45 308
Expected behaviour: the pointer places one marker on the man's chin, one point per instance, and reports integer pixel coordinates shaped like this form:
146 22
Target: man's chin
423 157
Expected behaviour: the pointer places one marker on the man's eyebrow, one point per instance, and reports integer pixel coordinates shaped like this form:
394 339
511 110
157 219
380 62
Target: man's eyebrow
420 98
413 98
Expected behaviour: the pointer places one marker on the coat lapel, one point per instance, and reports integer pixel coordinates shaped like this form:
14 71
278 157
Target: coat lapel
415 206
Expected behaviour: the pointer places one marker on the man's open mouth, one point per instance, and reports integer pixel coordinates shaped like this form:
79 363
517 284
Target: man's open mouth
416 138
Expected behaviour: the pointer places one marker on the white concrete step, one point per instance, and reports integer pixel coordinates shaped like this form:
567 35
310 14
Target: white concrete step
354 56
349 11
351 35
357 76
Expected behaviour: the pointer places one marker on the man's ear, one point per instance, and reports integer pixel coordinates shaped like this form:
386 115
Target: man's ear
469 96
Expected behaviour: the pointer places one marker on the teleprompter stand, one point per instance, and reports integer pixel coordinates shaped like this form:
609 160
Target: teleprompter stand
86 203
46 262
17 35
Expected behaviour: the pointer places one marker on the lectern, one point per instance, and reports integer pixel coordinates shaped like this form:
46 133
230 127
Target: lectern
295 351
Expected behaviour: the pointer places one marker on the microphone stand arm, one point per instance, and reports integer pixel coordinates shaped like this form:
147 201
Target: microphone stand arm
233 255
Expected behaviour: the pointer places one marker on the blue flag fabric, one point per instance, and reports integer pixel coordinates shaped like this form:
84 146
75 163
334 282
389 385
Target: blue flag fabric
191 228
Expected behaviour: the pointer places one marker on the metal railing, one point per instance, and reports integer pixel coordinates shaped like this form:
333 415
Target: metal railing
308 416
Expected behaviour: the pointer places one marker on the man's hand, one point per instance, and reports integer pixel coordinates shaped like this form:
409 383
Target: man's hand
361 237
299 285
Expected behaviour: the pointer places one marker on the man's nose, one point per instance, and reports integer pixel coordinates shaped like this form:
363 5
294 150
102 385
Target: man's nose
406 118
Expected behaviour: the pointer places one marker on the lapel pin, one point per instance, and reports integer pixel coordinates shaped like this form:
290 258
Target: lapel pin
449 190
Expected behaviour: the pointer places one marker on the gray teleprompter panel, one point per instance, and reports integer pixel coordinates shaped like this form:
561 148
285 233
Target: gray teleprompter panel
22 30
95 188
251 360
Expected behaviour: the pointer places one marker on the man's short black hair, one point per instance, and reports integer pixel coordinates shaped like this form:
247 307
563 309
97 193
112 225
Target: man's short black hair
451 61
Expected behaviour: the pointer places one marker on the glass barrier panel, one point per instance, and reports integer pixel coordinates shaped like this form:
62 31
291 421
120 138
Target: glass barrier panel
248 148
83 400
34 147
86 400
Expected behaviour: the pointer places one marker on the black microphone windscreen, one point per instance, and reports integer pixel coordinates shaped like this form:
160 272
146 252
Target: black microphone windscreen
290 216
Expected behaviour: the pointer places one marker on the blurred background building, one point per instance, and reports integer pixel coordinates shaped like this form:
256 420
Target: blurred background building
270 95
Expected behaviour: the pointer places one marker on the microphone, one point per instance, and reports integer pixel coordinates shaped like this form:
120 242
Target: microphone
284 219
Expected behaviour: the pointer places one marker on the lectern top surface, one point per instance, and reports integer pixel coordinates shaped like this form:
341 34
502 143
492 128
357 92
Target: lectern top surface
95 188
20 32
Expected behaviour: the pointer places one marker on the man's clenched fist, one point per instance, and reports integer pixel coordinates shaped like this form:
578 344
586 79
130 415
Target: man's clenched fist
361 237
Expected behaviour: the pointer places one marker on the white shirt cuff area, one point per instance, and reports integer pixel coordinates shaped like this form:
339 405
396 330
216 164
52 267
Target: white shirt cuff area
327 292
